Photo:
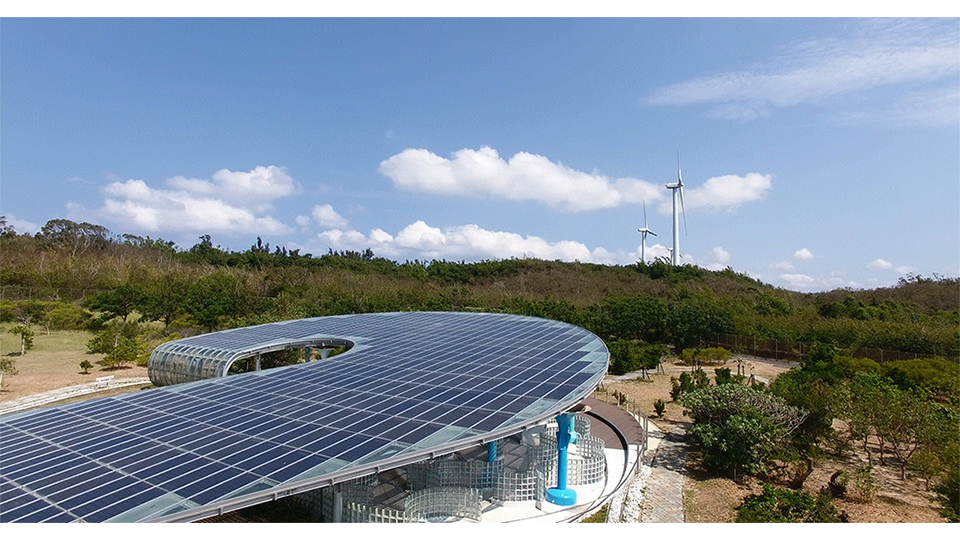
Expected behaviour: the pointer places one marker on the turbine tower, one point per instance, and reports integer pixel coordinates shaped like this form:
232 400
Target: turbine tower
677 189
643 234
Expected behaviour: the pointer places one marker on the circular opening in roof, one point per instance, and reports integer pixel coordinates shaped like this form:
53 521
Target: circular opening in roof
289 357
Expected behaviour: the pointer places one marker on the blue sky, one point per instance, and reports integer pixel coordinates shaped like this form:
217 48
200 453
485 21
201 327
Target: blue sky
816 153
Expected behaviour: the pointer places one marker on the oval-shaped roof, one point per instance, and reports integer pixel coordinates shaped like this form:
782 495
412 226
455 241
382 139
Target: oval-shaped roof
414 385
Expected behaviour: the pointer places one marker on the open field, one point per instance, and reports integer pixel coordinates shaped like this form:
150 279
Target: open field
53 363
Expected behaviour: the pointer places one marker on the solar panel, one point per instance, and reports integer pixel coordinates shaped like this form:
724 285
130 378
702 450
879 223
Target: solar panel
184 451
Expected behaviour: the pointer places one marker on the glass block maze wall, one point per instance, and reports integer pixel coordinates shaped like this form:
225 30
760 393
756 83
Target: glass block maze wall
451 488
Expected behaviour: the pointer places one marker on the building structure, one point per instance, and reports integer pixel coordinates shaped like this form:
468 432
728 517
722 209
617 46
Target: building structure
413 387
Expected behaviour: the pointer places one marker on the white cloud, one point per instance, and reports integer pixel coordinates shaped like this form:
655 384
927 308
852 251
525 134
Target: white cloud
21 226
721 255
469 242
327 217
803 254
800 281
725 191
252 189
231 202
904 270
872 54
524 177
880 264
782 265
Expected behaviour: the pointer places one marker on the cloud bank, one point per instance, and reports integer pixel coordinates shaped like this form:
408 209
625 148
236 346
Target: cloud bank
466 242
872 55
229 202
524 177
727 191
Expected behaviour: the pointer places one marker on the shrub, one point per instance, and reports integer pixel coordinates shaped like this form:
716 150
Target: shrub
777 505
710 356
109 338
722 376
659 407
948 495
67 317
688 382
127 350
739 429
865 486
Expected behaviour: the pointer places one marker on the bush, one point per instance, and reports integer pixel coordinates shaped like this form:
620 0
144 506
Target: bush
948 495
688 383
67 317
106 340
739 429
709 356
659 407
722 376
127 350
865 486
777 505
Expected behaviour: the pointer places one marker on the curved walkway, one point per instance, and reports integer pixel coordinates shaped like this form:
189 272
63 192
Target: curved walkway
663 494
44 398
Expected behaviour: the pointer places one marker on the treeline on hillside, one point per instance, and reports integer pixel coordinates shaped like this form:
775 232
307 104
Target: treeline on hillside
206 287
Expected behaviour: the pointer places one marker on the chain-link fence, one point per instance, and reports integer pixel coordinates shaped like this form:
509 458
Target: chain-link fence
795 351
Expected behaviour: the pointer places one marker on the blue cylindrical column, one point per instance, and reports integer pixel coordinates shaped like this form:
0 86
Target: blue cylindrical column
491 451
562 495
308 352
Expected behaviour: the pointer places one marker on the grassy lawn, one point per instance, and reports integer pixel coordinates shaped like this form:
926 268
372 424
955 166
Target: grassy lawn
55 341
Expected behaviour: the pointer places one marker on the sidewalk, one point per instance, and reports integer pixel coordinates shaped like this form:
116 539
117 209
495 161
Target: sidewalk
663 495
44 398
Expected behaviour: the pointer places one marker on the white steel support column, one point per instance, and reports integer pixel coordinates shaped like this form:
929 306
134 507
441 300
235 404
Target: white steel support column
337 504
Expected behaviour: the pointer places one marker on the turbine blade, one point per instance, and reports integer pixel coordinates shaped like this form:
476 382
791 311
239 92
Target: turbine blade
684 212
679 176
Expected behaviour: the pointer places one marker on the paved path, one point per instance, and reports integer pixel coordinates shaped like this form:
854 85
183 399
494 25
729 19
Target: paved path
45 398
663 495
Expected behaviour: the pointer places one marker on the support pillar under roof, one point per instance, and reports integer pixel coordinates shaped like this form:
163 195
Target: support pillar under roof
566 434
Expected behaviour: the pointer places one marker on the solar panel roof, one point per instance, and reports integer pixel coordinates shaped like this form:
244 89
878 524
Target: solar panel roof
414 385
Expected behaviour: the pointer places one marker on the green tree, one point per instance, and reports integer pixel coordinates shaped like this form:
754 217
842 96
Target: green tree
126 351
163 299
7 365
739 429
85 365
696 316
74 237
216 297
119 301
26 336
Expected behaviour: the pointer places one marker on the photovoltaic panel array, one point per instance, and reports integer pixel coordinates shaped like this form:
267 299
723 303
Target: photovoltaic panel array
414 385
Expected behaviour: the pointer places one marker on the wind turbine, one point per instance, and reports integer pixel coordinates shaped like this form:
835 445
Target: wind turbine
643 234
677 188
